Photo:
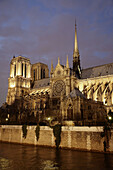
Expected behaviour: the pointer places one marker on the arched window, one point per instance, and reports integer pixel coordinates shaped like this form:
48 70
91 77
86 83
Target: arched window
22 69
15 70
34 74
25 70
43 73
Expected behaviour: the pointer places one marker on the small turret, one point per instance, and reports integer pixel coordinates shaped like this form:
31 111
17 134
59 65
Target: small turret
52 68
58 60
67 63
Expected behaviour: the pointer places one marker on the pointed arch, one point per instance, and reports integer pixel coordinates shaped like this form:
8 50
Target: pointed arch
15 70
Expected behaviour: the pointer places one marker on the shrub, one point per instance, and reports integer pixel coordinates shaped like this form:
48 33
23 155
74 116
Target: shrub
37 130
24 130
57 134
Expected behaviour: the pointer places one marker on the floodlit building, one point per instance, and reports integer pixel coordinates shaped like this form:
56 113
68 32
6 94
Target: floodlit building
71 93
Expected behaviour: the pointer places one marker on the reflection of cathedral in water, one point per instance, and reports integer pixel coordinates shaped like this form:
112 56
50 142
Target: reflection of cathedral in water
71 93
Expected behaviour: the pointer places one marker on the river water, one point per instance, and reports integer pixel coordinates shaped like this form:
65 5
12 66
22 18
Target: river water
25 157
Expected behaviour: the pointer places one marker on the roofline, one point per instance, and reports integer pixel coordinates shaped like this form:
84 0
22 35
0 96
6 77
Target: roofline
97 66
15 58
39 63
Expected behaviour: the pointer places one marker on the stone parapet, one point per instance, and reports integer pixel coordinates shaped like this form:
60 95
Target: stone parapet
78 138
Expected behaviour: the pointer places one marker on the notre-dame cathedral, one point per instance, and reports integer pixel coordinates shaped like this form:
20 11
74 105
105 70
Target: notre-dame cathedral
70 93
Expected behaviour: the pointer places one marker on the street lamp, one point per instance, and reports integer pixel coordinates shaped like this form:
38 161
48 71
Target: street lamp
109 117
6 119
48 118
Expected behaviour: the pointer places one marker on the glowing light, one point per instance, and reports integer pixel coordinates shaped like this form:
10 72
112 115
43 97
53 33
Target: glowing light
109 117
6 119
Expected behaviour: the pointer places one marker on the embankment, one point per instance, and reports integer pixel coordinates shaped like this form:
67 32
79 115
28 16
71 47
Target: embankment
79 138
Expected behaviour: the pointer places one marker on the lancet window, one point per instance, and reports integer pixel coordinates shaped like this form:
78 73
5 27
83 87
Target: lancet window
22 69
34 74
15 70
25 70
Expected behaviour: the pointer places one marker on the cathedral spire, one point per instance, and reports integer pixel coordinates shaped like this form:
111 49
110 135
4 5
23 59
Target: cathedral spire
67 63
76 51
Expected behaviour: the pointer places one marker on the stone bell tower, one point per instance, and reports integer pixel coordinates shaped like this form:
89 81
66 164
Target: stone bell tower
76 56
19 80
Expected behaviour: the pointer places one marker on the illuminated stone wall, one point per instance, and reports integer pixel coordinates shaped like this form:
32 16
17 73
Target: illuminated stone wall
98 88
20 77
81 138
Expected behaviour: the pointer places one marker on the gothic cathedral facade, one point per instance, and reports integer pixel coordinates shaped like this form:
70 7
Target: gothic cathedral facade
73 93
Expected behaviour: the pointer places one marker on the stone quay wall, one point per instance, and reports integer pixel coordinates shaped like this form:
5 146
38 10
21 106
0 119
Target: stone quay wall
79 138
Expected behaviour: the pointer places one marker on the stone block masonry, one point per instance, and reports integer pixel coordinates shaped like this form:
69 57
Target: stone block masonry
79 138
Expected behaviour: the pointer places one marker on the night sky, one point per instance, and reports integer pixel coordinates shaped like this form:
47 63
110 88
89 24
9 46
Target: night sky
42 30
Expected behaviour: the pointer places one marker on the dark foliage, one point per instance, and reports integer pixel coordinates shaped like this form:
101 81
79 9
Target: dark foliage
57 134
37 131
24 130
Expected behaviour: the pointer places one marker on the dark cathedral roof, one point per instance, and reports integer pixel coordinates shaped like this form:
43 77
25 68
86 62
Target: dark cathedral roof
75 93
41 83
103 70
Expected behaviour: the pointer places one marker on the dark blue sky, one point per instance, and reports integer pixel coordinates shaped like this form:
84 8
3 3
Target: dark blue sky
42 30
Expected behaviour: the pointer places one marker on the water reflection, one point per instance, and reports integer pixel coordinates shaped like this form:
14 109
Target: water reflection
22 157
5 163
49 165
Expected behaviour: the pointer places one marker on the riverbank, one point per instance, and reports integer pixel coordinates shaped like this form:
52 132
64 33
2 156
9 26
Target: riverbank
79 138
